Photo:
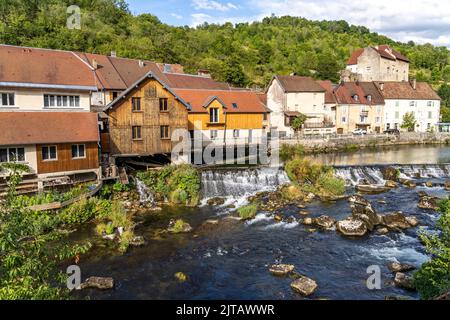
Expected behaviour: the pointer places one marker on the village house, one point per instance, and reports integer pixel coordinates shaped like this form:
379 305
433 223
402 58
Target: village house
416 97
222 117
359 106
290 96
45 114
378 63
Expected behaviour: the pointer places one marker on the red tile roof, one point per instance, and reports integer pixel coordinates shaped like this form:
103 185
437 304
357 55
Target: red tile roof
329 95
24 128
404 90
187 81
299 84
43 66
246 101
345 93
383 50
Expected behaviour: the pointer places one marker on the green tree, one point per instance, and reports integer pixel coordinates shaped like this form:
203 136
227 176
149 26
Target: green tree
409 122
327 67
444 93
297 122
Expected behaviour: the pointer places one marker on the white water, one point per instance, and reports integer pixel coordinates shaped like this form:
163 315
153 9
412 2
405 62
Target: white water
373 174
145 195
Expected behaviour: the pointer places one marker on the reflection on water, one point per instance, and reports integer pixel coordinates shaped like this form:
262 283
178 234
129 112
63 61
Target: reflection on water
388 155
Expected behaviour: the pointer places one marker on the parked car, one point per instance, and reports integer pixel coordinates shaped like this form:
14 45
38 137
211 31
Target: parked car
359 132
392 131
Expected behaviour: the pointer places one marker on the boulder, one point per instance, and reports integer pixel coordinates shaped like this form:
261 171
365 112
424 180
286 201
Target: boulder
429 184
372 188
362 210
308 221
383 230
447 185
304 212
428 203
390 173
413 221
404 281
281 269
351 227
305 286
400 267
390 184
98 283
324 222
278 218
396 220
215 201
408 183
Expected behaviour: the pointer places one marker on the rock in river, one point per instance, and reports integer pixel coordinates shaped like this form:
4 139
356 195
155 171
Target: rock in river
398 220
428 203
362 210
390 173
281 269
305 286
216 201
372 188
404 281
400 267
98 283
351 227
390 184
324 222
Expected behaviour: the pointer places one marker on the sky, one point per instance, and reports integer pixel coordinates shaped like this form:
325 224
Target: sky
403 20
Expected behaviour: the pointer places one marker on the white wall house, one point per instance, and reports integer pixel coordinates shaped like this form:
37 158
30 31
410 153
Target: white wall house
290 96
418 98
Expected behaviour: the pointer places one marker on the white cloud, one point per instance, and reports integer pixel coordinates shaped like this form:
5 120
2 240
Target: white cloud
199 18
417 20
176 16
212 5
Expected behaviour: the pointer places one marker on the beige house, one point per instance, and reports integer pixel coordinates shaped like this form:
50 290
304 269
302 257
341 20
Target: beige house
290 96
379 63
359 106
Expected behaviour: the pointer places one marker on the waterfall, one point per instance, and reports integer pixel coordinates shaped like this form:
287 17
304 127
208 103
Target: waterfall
354 175
145 195
239 183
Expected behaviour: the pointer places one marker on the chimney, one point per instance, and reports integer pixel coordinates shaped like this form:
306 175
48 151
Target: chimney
414 83
95 64
141 64
114 54
204 73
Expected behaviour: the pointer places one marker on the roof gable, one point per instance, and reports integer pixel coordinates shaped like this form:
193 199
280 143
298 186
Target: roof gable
292 84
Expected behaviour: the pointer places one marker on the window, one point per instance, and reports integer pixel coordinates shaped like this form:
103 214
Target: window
430 103
213 134
115 94
214 115
51 100
165 133
369 98
362 119
428 126
235 133
397 103
12 155
265 116
136 104
430 114
388 126
378 119
412 104
234 104
378 109
343 119
7 99
49 153
78 151
136 132
397 115
163 104
356 97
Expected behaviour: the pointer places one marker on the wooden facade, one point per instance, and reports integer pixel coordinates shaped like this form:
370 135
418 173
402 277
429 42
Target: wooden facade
146 120
64 161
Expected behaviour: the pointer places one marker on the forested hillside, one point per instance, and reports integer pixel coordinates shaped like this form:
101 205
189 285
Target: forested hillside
244 54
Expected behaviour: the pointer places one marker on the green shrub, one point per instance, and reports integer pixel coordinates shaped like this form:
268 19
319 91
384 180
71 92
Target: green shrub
120 187
288 152
350 147
248 211
433 278
328 184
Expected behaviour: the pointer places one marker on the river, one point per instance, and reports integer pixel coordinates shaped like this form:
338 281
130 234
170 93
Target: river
231 261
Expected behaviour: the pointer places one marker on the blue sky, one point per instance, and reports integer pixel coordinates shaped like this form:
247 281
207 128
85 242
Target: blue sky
418 20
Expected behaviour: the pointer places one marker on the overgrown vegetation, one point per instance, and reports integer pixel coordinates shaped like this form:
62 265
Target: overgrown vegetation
409 122
289 152
242 54
247 212
350 147
433 278
179 184
314 178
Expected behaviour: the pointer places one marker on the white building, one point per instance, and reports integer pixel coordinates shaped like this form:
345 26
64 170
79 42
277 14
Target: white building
290 96
416 97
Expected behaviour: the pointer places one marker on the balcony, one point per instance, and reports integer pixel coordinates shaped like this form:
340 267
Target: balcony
318 125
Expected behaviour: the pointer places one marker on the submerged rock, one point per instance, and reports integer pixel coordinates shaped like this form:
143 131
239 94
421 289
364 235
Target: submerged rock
324 222
351 227
215 201
304 212
98 283
180 276
400 267
305 286
404 281
281 269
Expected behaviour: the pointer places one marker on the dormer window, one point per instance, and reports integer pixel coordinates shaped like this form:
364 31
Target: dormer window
234 104
369 98
356 97
214 115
